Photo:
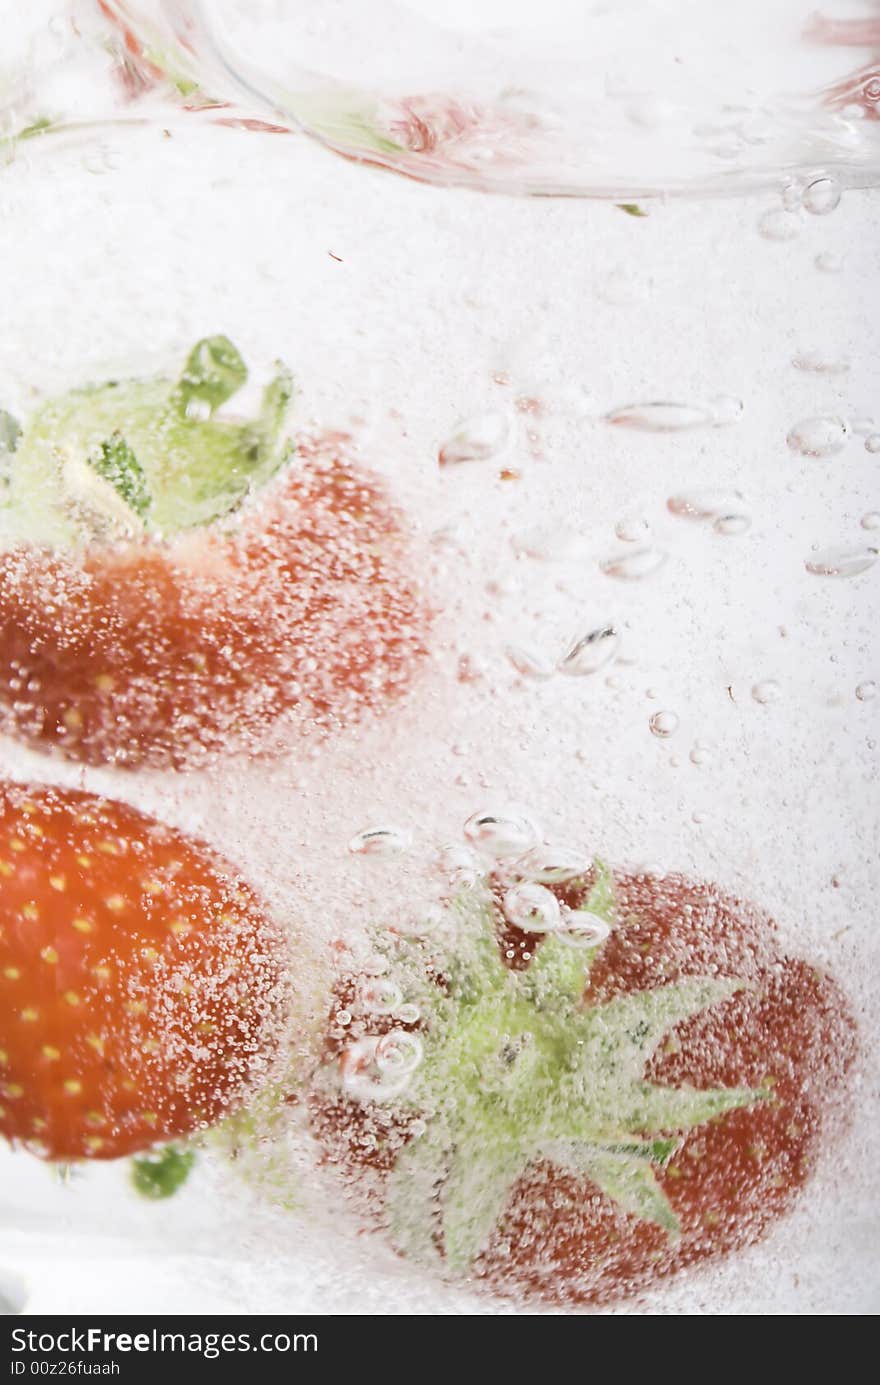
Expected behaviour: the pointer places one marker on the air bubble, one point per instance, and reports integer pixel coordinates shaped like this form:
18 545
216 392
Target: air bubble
705 506
866 692
766 692
663 724
408 1013
819 437
476 440
363 1077
553 865
821 363
732 524
529 662
634 566
632 530
585 929
872 443
777 224
380 841
459 866
501 837
660 417
398 1053
821 196
726 409
841 562
591 652
379 995
533 908
871 520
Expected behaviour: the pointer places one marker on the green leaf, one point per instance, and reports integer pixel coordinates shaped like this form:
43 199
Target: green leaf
627 1030
144 438
560 970
160 1175
116 463
628 1180
10 432
600 901
655 1151
40 126
681 1108
631 208
214 371
476 1191
347 119
558 975
474 966
276 403
411 1198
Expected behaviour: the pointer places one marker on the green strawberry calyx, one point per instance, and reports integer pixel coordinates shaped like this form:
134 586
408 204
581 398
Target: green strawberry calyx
516 1068
154 456
163 1172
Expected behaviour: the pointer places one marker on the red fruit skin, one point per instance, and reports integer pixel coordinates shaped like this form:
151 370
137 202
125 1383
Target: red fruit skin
164 654
142 988
561 1241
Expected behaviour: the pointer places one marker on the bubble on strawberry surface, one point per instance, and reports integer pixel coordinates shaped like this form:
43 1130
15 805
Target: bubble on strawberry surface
866 692
500 837
379 996
870 520
398 1053
552 865
585 929
533 908
872 443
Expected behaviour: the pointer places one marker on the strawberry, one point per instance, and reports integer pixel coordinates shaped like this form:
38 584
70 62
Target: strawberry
173 581
575 1112
141 981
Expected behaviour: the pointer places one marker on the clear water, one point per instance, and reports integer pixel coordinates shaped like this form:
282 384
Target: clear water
635 452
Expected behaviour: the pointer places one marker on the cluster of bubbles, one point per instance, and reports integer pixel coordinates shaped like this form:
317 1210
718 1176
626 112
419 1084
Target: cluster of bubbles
818 196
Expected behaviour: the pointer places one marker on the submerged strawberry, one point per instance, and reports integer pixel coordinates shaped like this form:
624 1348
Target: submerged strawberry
638 1087
173 581
141 983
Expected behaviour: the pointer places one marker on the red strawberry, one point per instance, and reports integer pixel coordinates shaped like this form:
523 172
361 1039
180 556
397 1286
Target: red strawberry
141 982
642 1087
152 613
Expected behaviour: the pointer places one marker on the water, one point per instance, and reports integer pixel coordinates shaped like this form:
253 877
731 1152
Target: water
563 567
